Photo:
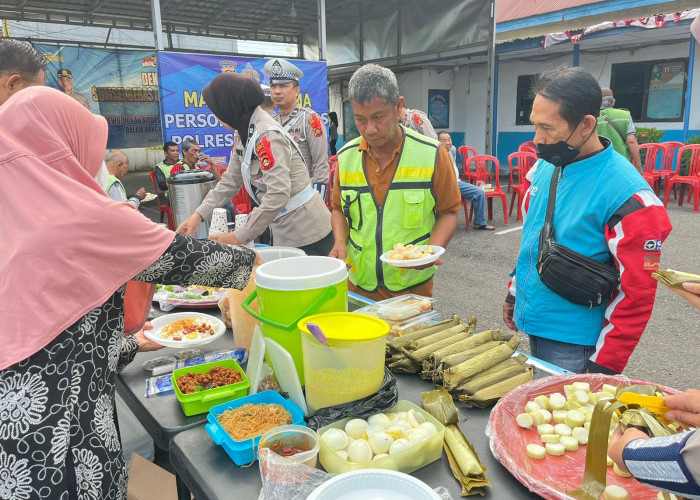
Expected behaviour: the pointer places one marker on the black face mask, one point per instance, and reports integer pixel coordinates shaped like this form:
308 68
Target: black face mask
559 154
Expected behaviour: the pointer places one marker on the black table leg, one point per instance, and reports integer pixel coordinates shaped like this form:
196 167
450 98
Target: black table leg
183 492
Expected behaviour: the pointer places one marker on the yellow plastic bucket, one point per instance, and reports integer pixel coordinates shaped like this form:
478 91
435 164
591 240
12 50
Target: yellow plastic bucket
351 366
291 289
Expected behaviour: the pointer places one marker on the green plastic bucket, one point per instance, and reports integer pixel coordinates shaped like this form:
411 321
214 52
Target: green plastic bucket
291 289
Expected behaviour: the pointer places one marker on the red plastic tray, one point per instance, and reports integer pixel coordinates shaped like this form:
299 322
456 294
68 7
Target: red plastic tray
552 476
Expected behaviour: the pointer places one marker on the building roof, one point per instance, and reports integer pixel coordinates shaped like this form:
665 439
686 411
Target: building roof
507 10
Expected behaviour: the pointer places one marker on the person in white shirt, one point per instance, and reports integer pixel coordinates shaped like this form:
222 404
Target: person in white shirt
118 165
469 191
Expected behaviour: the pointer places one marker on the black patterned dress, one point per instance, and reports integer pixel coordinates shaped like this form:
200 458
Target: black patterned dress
58 432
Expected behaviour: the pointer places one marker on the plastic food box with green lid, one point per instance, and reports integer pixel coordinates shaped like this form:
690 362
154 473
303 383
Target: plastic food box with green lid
408 460
202 401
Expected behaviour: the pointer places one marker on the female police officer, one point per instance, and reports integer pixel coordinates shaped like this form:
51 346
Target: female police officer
267 162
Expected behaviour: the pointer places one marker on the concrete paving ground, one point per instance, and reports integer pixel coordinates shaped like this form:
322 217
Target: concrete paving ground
472 282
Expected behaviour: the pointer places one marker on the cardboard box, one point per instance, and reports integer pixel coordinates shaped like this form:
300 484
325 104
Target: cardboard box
147 481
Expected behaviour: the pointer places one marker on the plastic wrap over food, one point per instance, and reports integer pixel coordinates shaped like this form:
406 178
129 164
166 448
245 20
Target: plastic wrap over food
287 481
162 384
385 398
552 476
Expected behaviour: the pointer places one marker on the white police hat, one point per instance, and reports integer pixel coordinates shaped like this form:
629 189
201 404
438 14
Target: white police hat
282 71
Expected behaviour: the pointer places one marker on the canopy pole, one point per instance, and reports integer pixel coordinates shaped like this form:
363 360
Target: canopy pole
157 24
321 30
577 50
689 88
491 65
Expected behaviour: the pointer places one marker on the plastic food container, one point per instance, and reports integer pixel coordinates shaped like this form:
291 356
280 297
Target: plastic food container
408 460
295 436
399 308
398 328
246 452
202 401
351 366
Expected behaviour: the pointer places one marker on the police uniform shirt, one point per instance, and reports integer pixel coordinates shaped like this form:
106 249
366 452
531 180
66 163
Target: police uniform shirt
309 132
282 175
418 121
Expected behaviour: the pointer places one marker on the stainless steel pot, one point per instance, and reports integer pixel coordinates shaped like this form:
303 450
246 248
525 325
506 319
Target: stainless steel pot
187 189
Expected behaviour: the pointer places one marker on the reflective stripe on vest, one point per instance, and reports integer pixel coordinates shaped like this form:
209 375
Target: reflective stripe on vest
406 216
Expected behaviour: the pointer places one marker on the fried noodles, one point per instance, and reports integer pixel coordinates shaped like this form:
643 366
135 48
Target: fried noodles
251 420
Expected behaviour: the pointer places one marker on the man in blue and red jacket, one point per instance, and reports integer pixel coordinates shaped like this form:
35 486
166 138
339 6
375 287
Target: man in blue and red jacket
604 210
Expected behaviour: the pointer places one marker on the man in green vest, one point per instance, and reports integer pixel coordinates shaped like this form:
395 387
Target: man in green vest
617 125
393 186
118 165
163 169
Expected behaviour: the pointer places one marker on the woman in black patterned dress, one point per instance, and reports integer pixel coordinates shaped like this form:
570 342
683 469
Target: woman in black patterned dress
68 250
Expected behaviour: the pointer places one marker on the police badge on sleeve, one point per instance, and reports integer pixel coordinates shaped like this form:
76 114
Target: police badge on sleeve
264 152
315 123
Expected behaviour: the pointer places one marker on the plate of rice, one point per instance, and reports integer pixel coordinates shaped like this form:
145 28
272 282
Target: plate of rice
185 329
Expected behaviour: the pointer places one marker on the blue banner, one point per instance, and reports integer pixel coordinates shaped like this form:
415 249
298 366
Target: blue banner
186 116
121 85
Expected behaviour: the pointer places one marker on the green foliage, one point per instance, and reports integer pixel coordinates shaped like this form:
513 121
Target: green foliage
646 135
685 161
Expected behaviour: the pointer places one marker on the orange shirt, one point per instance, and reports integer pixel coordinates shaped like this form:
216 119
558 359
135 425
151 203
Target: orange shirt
445 191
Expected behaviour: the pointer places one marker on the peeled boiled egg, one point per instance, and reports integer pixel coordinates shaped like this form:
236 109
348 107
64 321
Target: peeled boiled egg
380 442
379 455
359 451
398 445
429 428
416 436
355 428
342 454
336 439
371 429
379 419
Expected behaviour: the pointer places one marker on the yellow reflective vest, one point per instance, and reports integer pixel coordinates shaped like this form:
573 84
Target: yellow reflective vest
406 216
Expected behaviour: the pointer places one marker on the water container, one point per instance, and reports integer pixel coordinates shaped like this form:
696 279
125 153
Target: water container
187 189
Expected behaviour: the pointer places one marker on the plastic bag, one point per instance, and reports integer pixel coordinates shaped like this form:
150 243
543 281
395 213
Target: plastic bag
287 481
386 397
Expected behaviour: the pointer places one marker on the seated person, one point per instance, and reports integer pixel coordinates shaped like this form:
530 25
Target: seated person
191 155
164 168
469 191
118 165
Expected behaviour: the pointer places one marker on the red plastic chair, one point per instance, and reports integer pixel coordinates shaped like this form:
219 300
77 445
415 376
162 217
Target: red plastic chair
163 206
692 180
468 212
242 202
483 174
466 152
520 162
333 163
527 147
650 152
220 169
667 171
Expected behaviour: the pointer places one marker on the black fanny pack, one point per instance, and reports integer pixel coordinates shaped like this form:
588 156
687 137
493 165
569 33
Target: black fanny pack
569 274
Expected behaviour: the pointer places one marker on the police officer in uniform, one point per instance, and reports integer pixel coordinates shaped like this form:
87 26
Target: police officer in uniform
303 124
65 81
267 162
418 121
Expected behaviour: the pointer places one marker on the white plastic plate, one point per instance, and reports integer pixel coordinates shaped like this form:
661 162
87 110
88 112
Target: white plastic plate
160 322
149 197
374 483
437 252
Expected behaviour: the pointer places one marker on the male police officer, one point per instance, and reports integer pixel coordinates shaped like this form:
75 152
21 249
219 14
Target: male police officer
416 120
303 124
65 81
